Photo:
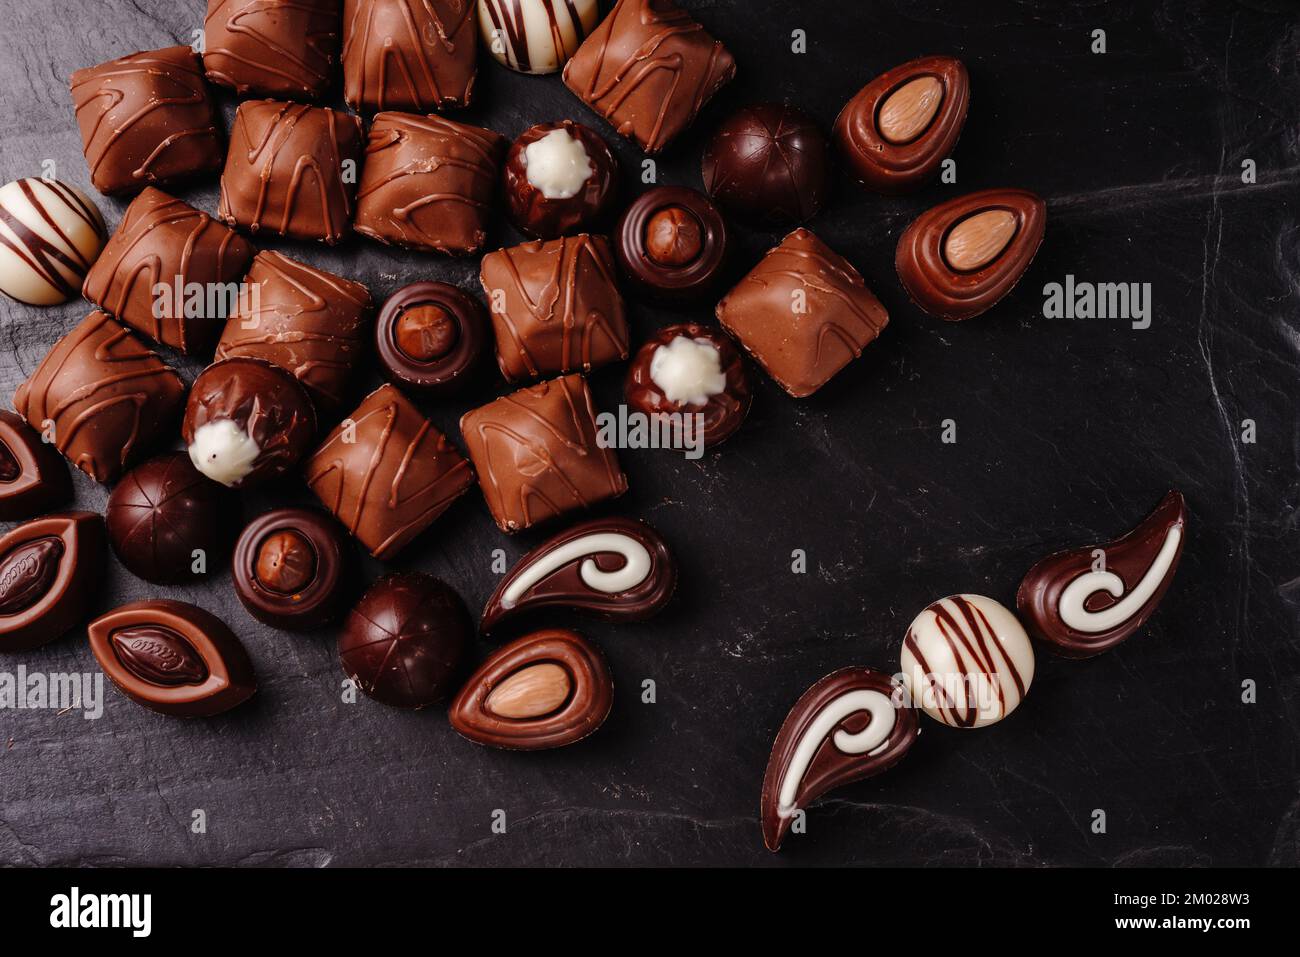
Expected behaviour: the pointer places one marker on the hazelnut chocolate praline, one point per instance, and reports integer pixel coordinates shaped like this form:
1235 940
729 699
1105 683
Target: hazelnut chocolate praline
430 336
559 178
671 243
662 368
293 568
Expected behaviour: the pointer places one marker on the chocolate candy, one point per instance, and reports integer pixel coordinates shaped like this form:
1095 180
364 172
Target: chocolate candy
428 183
293 568
967 661
101 397
159 239
33 477
901 126
768 163
649 69
146 119
537 454
559 178
247 421
690 370
292 170
416 55
167 523
306 321
278 48
852 724
386 473
430 336
535 36
803 312
671 243
555 307
173 658
614 568
959 258
1087 600
50 234
405 640
49 571
545 690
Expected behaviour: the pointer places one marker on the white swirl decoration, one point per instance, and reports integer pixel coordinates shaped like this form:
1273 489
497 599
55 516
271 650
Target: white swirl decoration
872 739
637 564
1073 604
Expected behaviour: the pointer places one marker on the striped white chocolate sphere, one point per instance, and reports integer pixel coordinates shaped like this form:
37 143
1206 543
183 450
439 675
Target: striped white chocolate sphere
536 36
50 235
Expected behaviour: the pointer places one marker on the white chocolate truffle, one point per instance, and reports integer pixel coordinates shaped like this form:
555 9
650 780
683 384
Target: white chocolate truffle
50 235
536 36
558 165
967 661
223 451
688 371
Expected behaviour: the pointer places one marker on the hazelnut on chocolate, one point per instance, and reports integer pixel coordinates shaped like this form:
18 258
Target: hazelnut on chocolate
285 561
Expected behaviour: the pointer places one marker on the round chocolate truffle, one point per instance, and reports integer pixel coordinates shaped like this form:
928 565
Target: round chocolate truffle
292 567
404 641
671 243
768 163
687 370
429 337
52 235
559 179
167 523
247 421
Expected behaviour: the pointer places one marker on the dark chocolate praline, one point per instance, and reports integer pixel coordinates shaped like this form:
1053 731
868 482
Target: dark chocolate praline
545 217
430 336
671 243
292 568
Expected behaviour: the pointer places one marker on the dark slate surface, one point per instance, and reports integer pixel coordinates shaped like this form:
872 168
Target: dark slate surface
1068 432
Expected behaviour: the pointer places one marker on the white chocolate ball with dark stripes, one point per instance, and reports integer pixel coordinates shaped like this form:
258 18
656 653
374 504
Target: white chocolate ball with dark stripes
50 236
536 36
967 661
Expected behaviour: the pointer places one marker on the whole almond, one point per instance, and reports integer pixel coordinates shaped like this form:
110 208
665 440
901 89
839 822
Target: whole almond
907 111
530 692
978 240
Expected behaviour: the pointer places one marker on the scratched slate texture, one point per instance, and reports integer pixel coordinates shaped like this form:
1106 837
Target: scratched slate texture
1068 431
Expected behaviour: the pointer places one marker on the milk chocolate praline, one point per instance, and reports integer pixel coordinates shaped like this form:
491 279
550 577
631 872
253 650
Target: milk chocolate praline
293 568
768 163
430 336
50 569
33 476
533 201
671 243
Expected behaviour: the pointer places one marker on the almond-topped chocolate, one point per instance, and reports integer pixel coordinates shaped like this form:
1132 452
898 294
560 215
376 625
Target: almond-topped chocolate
959 258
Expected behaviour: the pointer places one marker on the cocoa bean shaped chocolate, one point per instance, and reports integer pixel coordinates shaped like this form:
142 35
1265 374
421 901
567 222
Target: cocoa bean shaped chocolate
611 567
1089 599
49 570
545 690
173 658
850 725
33 476
959 258
899 127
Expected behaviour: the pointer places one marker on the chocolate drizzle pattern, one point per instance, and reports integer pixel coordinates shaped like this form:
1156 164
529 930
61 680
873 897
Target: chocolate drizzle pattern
428 183
417 55
159 239
307 321
559 306
56 232
386 473
272 47
285 170
146 118
103 394
649 69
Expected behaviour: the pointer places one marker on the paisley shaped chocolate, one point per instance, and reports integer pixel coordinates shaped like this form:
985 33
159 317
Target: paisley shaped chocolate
33 476
545 690
959 258
612 567
1087 600
49 571
173 658
899 127
850 725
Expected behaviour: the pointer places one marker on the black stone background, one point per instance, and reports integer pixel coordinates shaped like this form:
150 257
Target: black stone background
1068 433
